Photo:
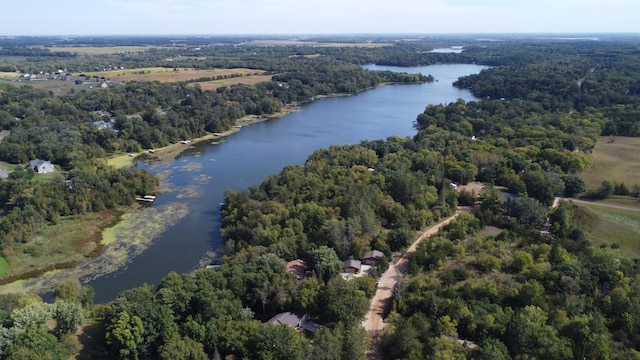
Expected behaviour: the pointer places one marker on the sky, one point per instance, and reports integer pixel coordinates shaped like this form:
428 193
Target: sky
218 17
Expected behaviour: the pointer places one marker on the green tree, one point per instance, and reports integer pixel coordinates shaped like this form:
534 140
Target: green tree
526 210
521 260
279 342
35 344
573 185
529 334
124 335
589 336
68 315
325 263
344 302
34 315
326 345
493 349
177 347
542 185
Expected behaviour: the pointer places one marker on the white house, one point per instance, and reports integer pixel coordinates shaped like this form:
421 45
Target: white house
41 166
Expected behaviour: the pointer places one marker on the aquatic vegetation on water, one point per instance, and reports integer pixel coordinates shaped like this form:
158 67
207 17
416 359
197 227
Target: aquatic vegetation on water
124 241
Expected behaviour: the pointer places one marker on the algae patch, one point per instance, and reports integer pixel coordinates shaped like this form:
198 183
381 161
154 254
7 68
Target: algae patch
124 241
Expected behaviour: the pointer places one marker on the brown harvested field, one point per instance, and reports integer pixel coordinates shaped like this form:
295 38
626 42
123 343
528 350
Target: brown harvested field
615 158
245 80
170 75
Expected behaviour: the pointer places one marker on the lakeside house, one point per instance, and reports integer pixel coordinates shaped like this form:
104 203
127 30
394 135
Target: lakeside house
3 174
372 257
41 166
351 266
295 319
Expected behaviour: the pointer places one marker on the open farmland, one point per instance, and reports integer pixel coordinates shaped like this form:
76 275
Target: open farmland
9 75
614 159
272 42
101 50
173 75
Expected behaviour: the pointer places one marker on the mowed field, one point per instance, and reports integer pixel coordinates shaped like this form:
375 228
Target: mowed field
617 219
614 159
170 75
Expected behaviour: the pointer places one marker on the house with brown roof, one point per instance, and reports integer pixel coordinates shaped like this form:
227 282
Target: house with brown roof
372 257
351 266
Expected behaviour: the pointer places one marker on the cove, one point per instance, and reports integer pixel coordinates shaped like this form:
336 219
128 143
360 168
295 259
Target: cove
205 170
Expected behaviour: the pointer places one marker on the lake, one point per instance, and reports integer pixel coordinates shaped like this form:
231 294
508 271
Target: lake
257 151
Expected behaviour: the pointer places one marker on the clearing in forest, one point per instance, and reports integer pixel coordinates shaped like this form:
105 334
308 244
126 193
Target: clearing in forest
615 158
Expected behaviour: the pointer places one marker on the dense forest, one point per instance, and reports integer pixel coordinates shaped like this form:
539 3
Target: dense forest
514 279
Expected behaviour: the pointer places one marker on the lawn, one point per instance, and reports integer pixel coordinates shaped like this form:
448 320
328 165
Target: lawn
615 158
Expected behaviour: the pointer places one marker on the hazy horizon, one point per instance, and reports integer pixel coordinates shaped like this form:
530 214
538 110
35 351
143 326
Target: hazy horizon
329 17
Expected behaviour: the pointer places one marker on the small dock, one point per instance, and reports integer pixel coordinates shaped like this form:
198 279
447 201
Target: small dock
147 198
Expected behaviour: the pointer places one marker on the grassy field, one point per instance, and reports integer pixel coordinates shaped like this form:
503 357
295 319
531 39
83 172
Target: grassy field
9 75
245 80
4 265
169 75
614 159
616 226
97 50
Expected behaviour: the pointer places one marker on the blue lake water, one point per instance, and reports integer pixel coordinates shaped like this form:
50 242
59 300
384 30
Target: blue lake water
257 151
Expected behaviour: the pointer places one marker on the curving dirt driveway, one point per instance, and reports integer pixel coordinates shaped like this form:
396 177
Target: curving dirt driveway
374 320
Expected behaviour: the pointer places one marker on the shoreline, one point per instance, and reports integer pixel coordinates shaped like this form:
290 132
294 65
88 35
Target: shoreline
163 154
166 152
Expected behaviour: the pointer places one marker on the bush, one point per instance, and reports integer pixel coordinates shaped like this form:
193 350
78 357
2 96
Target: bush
485 262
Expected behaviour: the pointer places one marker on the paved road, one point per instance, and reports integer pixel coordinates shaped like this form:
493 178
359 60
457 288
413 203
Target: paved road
374 320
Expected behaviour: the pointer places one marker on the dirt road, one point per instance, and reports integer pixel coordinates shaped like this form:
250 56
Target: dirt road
602 204
374 320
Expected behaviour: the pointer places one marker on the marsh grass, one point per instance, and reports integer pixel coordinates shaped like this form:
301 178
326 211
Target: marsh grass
62 245
131 236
